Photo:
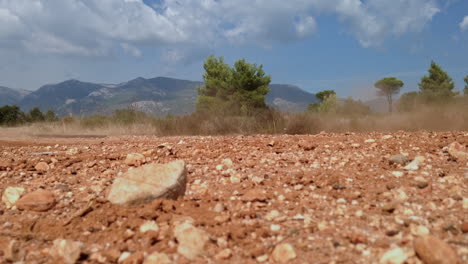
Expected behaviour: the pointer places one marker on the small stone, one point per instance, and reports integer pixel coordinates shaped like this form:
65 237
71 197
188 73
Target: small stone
218 208
42 167
235 179
254 195
150 182
397 174
394 256
338 186
39 201
66 251
414 165
275 228
227 162
432 250
464 227
398 159
134 159
283 253
272 215
191 240
224 254
419 230
157 258
149 226
123 256
11 195
135 258
458 151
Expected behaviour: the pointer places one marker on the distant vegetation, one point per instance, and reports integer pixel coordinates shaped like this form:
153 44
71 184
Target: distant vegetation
232 100
11 115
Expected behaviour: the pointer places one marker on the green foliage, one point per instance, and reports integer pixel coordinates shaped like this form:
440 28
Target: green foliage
438 86
238 90
50 116
324 94
408 101
35 115
466 86
328 102
388 87
11 115
129 116
351 107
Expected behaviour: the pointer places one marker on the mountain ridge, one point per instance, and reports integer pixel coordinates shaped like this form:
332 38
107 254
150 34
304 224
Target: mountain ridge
159 96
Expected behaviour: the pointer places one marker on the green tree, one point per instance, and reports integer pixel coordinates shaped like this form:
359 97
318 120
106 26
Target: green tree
11 115
237 90
437 86
50 116
407 101
324 94
388 87
35 115
466 86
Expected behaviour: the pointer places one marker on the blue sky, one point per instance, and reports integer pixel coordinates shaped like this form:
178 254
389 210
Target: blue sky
345 45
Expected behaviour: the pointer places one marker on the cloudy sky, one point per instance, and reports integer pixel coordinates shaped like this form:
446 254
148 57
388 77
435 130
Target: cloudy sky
344 45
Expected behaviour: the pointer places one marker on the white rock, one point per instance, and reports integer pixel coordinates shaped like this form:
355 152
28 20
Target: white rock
149 226
283 253
414 165
66 251
157 258
191 240
11 195
149 182
135 159
394 256
123 256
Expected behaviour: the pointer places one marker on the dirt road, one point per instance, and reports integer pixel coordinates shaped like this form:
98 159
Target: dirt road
326 198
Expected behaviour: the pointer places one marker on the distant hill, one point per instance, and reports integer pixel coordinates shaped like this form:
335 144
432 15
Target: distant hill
10 96
158 96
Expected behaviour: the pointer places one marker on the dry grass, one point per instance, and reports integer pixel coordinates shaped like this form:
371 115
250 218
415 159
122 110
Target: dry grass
435 118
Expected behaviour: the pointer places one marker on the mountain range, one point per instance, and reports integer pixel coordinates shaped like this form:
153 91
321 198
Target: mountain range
157 96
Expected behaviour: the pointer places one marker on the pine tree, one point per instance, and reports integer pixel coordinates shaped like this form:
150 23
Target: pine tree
438 85
388 87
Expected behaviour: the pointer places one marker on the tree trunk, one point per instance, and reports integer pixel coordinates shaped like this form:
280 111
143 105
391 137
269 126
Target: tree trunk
390 103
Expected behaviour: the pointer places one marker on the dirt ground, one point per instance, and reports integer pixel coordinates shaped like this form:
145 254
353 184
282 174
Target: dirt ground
335 198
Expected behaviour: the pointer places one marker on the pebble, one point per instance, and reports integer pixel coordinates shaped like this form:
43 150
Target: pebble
39 201
134 159
123 256
432 250
42 167
458 151
157 258
283 253
191 240
398 159
414 165
67 251
11 195
149 226
150 182
224 254
218 208
394 256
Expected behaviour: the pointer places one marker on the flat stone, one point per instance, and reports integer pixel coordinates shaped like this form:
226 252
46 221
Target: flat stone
42 166
134 159
149 226
398 159
66 251
394 256
191 240
283 253
157 258
11 195
414 165
39 201
458 151
150 182
432 250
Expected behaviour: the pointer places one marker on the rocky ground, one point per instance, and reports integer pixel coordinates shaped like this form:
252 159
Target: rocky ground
326 198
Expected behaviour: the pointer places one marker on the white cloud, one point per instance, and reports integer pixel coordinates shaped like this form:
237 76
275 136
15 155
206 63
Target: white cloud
95 27
464 24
